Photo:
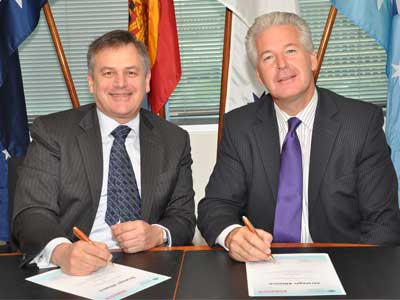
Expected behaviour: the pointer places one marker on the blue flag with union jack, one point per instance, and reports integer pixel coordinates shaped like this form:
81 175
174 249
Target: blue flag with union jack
18 18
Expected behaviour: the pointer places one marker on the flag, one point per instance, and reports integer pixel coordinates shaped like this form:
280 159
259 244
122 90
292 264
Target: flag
153 22
18 18
243 86
380 19
393 98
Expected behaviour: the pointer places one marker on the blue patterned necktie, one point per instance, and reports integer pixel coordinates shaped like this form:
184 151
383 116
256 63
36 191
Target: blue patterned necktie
287 226
123 199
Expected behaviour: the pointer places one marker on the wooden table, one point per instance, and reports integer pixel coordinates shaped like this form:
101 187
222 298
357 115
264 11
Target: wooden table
200 272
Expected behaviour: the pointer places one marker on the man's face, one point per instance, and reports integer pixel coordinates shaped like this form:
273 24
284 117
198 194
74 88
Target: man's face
284 66
119 82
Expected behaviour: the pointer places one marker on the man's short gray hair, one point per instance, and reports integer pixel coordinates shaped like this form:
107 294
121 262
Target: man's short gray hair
265 21
116 39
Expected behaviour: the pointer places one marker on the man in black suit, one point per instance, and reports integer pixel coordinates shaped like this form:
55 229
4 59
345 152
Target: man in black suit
348 188
66 179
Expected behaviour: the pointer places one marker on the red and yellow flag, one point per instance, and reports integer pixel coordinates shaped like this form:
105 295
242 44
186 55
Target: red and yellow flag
153 22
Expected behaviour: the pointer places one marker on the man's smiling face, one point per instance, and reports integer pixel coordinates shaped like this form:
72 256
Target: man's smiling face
284 66
119 82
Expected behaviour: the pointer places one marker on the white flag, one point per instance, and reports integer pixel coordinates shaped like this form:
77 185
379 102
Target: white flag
242 82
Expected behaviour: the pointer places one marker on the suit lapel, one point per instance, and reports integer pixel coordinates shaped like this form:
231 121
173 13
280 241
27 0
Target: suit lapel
151 154
90 143
267 137
324 135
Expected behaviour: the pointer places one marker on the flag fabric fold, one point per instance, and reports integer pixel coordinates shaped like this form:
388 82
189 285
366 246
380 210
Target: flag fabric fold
393 100
153 22
17 21
243 86
380 19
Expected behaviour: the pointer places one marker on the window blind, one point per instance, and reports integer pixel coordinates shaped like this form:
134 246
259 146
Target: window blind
354 63
201 27
78 23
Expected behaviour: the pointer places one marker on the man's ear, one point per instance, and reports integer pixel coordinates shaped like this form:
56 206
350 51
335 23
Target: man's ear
259 78
148 78
314 61
90 83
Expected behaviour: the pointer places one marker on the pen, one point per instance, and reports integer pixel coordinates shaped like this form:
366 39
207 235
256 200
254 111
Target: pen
83 237
251 228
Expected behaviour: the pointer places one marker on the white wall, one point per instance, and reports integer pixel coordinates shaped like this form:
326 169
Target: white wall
203 139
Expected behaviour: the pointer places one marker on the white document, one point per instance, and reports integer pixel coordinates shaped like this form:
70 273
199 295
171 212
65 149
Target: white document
308 274
114 281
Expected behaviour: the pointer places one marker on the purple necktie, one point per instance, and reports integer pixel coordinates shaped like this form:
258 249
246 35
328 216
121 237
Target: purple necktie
287 226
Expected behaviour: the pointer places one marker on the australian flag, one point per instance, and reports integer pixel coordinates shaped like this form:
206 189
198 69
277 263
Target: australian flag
18 18
381 20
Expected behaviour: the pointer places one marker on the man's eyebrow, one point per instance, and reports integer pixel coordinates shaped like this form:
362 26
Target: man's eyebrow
106 68
133 68
291 44
285 46
266 52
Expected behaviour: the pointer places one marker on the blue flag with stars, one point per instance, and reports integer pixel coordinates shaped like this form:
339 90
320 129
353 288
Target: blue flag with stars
393 101
380 19
18 18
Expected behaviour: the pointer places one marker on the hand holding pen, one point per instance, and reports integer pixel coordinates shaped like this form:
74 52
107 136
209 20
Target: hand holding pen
82 257
248 244
253 230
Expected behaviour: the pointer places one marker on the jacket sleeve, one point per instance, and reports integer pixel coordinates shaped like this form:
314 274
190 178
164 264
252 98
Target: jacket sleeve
377 188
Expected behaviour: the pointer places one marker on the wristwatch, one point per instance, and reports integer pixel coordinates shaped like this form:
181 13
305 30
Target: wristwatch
165 237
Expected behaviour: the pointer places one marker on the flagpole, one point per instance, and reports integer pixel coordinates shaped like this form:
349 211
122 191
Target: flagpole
225 69
61 55
161 113
324 40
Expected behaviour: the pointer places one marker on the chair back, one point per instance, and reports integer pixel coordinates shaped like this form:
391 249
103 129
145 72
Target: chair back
13 166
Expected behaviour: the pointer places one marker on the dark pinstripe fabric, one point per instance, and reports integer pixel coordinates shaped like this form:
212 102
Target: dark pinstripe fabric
352 183
60 181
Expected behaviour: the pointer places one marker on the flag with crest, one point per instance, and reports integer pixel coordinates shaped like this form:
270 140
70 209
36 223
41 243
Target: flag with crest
153 22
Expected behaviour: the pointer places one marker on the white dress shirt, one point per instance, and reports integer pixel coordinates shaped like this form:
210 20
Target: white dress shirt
100 230
304 133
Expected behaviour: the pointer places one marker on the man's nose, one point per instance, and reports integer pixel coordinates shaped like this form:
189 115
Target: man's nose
120 80
281 61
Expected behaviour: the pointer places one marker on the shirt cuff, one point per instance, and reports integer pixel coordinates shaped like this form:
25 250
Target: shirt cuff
222 236
42 260
169 239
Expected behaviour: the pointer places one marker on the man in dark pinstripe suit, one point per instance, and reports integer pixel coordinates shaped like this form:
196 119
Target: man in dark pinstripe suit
349 186
64 177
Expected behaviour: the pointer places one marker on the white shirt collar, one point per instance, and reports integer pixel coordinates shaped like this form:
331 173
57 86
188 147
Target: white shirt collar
306 115
107 124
